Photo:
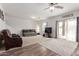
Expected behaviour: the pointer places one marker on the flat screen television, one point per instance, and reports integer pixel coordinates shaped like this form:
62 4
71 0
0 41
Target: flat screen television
48 30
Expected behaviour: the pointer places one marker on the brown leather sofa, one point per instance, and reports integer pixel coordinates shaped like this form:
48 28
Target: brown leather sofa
11 40
1 41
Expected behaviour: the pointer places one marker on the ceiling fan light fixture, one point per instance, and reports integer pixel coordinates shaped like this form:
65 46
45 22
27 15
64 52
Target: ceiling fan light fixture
51 8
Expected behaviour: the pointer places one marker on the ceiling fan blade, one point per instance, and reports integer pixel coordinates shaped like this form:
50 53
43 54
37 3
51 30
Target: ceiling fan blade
55 3
60 7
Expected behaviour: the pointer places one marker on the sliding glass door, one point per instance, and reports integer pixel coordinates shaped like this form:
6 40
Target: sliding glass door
61 29
71 33
66 29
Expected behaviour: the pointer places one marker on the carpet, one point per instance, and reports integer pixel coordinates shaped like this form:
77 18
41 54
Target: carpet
60 46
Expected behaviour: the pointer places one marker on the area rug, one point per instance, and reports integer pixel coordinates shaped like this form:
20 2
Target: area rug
60 46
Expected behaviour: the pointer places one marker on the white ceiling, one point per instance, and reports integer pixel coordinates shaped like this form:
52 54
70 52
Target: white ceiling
26 10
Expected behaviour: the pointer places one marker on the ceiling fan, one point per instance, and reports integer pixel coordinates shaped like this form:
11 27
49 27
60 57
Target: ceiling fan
52 6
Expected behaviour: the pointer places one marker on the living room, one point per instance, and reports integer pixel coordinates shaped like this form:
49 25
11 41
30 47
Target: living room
36 25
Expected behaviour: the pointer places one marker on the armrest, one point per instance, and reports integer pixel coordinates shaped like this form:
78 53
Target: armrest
14 38
15 35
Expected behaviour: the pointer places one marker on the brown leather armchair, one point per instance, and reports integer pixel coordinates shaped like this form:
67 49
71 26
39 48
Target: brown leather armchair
11 40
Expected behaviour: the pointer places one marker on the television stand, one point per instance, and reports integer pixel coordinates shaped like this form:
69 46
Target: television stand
48 35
